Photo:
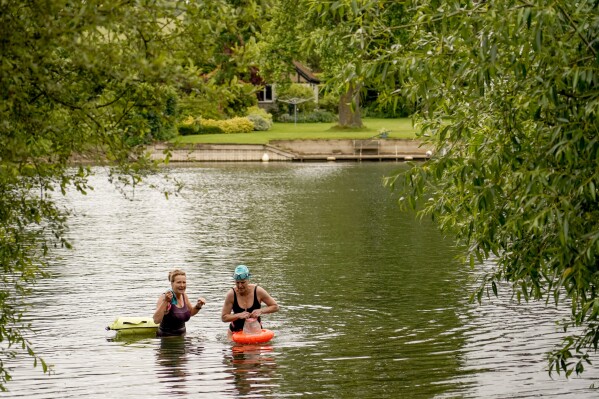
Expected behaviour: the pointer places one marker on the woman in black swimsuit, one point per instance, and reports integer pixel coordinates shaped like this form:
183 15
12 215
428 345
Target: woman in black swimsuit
245 300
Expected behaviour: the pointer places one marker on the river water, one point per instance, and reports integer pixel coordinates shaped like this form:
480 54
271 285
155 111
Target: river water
374 303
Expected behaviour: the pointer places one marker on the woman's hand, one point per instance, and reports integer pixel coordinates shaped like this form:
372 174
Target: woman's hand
201 302
168 296
163 305
256 313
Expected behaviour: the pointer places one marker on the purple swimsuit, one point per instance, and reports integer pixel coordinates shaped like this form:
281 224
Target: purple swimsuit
173 323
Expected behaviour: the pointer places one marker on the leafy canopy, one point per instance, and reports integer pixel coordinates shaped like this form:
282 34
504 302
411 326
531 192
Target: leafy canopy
507 96
91 81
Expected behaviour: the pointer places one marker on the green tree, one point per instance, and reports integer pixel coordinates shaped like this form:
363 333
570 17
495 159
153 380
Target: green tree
222 49
91 81
330 35
508 97
340 49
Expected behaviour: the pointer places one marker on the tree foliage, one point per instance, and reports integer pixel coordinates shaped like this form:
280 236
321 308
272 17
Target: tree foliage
508 97
222 48
75 80
330 34
90 81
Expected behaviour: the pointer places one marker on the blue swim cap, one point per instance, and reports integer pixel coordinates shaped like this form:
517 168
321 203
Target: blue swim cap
241 273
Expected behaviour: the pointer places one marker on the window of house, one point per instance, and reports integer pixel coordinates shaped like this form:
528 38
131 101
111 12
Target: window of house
265 95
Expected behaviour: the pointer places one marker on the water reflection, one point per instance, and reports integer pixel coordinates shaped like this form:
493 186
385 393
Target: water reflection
172 358
253 368
130 339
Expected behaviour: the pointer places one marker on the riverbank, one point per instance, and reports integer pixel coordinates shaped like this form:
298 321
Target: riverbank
399 128
374 149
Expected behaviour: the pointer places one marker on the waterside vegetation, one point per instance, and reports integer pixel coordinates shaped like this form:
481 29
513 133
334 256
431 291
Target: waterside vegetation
400 128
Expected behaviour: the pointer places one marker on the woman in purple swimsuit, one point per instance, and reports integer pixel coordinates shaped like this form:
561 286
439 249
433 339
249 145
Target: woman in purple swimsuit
173 308
245 301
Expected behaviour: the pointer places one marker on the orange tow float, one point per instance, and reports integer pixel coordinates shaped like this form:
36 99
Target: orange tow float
263 336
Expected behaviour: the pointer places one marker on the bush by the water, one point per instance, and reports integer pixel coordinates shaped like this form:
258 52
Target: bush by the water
260 124
233 125
209 130
317 116
191 126
188 127
262 120
187 130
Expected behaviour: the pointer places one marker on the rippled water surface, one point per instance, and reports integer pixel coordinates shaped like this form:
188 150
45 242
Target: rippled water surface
373 302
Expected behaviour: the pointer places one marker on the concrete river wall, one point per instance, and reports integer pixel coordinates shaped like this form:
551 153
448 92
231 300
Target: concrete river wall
295 151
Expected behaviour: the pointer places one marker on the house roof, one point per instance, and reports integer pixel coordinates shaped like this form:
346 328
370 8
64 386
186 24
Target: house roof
305 72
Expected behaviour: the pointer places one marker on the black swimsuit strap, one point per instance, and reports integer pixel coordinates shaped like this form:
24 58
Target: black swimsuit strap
255 305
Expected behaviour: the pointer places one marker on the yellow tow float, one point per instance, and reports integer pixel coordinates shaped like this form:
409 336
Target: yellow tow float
133 325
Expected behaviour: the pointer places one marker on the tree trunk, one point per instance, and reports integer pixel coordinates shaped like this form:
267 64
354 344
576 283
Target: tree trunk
349 115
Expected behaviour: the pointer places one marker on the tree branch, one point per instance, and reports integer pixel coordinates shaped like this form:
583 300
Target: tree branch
575 27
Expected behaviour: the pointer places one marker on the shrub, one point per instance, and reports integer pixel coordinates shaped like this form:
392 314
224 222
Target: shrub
255 110
209 130
233 125
187 127
375 111
260 117
260 124
317 116
277 108
321 116
286 118
187 130
330 102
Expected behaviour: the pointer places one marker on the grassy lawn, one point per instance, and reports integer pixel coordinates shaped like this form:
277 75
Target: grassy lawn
398 129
